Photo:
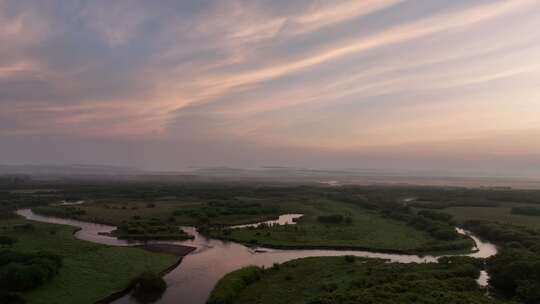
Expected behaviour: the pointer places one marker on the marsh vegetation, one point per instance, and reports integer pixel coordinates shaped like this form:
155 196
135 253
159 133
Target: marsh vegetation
388 219
48 265
347 280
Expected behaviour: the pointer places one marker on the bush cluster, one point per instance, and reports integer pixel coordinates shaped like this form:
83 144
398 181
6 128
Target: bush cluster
515 270
148 287
439 225
337 280
230 286
216 208
7 240
530 211
334 219
22 272
149 229
440 230
64 211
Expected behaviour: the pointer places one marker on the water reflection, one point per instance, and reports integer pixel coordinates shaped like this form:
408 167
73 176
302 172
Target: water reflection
483 279
88 232
66 203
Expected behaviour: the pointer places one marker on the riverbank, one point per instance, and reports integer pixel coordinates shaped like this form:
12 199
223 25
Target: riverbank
368 232
430 251
187 213
353 280
198 275
90 271
176 250
365 230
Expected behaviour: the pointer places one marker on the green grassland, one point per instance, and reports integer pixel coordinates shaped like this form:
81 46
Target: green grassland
352 280
379 220
501 214
152 229
367 230
90 271
185 213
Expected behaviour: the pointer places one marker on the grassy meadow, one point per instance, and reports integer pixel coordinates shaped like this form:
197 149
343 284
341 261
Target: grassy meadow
367 230
217 207
186 213
90 271
501 214
348 280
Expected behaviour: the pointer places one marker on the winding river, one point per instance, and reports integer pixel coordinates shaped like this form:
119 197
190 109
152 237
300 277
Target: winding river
193 280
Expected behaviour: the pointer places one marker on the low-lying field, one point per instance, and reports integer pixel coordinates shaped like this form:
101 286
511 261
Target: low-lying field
495 214
90 271
356 226
186 213
149 230
364 229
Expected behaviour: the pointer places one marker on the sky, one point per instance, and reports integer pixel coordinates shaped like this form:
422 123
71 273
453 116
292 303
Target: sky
378 84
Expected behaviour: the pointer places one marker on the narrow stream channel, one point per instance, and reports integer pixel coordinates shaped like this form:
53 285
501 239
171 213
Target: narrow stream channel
193 280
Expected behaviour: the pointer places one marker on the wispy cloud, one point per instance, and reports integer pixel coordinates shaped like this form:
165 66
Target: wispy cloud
398 34
340 75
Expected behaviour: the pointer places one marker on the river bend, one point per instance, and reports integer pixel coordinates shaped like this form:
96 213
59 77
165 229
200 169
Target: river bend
193 280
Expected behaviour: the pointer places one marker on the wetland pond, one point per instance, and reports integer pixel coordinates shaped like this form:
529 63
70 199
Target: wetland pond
195 277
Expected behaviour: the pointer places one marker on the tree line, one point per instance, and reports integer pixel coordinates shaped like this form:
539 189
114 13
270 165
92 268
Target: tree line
515 270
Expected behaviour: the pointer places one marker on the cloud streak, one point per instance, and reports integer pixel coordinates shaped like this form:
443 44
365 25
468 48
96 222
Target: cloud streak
347 76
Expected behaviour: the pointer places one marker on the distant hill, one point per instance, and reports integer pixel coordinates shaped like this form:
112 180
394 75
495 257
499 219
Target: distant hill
66 170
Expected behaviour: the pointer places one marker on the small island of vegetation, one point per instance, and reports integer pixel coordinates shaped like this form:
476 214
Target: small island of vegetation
150 229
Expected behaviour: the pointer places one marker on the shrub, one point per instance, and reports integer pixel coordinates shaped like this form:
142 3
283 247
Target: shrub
445 234
530 211
329 287
11 298
25 227
66 212
436 216
233 283
7 241
516 273
21 272
331 219
350 258
149 287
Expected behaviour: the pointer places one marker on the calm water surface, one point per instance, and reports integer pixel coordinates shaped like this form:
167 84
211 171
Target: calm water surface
193 280
285 219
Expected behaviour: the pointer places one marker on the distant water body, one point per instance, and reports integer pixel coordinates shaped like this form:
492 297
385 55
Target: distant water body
494 183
